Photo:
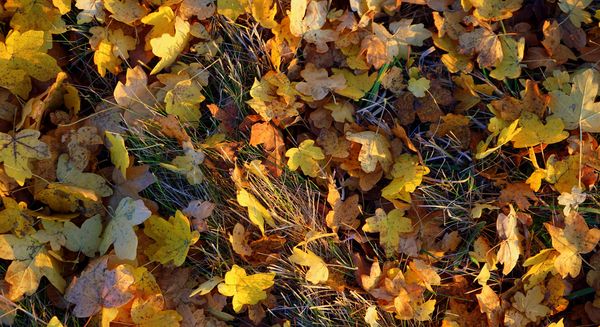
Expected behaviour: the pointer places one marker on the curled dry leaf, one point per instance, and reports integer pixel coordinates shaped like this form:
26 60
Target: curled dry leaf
199 211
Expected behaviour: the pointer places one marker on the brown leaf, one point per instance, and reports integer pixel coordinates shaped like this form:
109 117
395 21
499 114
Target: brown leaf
428 110
519 194
99 287
344 213
266 249
171 127
533 100
490 304
405 108
199 210
453 125
226 115
271 139
138 179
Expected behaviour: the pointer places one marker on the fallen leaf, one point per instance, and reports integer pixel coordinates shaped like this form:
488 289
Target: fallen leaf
119 230
16 152
257 213
173 238
390 227
30 262
85 239
510 245
317 268
99 287
375 149
344 213
574 239
306 157
22 57
245 289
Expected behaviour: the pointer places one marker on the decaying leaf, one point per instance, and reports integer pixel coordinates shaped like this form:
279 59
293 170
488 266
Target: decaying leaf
99 287
16 152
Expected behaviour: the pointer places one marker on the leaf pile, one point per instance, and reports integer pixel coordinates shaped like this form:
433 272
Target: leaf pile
349 97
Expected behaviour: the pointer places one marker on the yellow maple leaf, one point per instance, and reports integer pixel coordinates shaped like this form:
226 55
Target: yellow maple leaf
574 239
111 46
64 6
422 273
245 289
424 310
22 57
274 97
15 218
579 109
183 101
167 47
356 85
317 271
30 261
162 21
30 15
534 132
540 265
67 172
390 227
504 133
17 150
408 174
257 213
264 12
146 313
306 157
495 10
232 9
118 152
341 111
418 87
67 198
126 11
375 149
119 230
173 238
510 66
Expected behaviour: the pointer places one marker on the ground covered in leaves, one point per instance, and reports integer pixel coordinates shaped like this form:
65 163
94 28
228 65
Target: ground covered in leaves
313 162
